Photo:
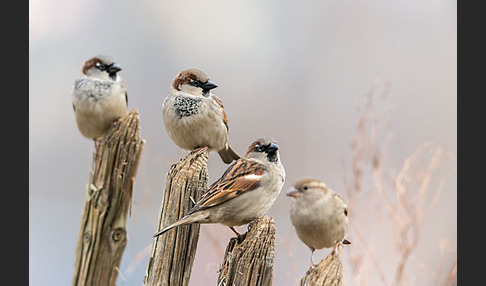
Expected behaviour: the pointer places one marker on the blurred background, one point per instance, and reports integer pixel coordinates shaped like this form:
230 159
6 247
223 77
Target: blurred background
359 94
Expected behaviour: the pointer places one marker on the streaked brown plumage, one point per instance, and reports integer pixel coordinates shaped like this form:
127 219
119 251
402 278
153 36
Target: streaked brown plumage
245 191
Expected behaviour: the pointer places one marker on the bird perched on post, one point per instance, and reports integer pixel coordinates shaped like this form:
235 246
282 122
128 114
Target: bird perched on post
245 191
194 117
319 215
99 97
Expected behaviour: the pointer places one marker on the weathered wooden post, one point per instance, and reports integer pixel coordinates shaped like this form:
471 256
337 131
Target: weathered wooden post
173 253
102 235
327 273
249 259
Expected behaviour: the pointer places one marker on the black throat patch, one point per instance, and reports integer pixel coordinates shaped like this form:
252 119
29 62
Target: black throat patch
272 157
186 106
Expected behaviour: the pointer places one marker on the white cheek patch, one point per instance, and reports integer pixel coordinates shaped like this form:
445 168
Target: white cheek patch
252 177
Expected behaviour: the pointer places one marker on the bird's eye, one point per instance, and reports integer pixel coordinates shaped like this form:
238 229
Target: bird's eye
100 66
260 148
196 83
306 187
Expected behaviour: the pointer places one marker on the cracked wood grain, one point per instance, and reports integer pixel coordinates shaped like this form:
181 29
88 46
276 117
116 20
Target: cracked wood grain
173 252
103 236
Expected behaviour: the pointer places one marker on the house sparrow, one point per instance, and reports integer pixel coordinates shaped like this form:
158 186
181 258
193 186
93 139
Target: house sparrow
99 97
245 191
319 215
194 117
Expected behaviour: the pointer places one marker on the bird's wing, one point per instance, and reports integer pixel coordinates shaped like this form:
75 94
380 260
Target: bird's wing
125 89
225 118
241 176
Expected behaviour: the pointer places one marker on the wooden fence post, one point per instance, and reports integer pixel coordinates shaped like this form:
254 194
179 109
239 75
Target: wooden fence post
327 273
249 259
173 252
102 236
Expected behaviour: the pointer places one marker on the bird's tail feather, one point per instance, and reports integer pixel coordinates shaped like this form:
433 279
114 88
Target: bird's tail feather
183 221
228 154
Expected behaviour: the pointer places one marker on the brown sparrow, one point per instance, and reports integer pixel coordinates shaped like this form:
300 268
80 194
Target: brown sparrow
194 117
319 215
245 191
99 97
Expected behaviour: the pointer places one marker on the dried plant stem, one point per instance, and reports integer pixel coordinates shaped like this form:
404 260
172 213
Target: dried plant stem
102 235
406 195
412 184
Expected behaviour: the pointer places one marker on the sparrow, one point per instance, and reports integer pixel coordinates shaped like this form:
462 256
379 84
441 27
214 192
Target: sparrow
245 191
194 117
318 214
99 97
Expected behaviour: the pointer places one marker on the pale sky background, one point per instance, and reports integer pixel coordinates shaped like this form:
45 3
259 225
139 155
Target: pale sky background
292 70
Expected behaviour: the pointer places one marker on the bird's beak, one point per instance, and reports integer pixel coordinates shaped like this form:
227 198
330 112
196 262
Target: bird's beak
114 68
209 85
272 148
292 192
